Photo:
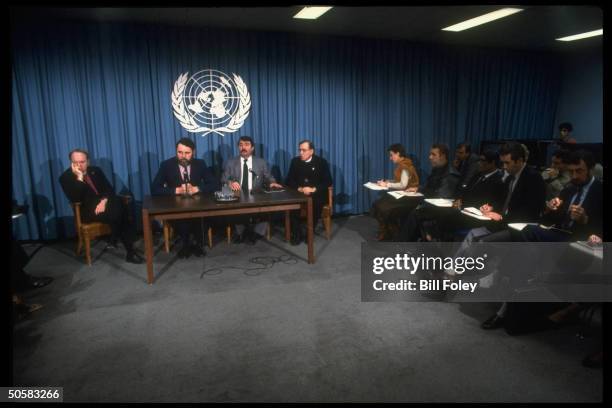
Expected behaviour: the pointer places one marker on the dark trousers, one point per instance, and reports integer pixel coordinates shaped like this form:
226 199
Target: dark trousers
318 201
534 233
117 215
411 225
389 210
193 226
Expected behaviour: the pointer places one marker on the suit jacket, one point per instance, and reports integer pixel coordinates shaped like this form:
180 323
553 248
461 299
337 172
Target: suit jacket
232 171
441 183
169 177
528 198
490 190
313 174
592 204
79 191
468 172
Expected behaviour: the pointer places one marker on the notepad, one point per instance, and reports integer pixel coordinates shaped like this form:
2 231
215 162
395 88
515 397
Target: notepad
440 202
519 226
374 186
552 227
475 213
400 194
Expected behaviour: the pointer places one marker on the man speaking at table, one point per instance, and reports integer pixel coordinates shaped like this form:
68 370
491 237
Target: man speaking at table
248 173
186 176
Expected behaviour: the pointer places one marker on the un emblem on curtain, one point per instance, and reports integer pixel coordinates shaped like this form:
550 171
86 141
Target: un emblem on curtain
211 101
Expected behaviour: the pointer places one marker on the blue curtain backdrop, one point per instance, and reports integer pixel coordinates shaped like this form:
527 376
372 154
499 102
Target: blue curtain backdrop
106 87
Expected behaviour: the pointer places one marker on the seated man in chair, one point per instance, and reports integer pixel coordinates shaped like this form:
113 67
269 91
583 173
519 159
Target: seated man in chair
88 185
185 175
309 174
248 173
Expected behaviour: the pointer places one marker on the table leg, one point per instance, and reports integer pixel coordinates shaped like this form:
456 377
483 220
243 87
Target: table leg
148 244
310 232
287 226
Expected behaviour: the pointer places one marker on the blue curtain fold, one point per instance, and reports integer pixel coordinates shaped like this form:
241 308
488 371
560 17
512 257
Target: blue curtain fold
106 87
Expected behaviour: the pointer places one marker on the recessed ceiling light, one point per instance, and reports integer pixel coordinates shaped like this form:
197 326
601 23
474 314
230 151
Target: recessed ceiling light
485 18
310 13
581 36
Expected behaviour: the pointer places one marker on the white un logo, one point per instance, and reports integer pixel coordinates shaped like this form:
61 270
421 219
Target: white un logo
211 101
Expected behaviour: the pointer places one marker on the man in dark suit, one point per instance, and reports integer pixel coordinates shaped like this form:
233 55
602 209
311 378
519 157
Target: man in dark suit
88 185
576 215
467 164
184 175
309 174
524 201
577 212
525 195
486 187
441 183
248 173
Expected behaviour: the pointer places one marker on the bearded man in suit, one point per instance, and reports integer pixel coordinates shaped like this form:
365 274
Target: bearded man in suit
185 175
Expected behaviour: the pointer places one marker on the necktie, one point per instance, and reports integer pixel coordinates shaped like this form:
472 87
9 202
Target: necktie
245 177
567 221
507 202
91 184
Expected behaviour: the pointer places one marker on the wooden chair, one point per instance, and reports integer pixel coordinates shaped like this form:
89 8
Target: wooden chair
326 212
169 233
87 231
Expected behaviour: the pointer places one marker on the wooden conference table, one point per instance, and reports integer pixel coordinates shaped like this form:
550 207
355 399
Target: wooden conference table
204 205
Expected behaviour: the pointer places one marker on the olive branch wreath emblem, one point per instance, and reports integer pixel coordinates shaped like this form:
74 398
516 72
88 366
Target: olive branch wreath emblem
189 123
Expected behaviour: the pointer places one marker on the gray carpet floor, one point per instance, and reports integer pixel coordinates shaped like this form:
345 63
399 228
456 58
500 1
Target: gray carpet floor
290 332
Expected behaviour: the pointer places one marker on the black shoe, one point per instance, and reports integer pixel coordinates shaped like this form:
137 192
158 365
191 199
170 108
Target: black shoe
198 250
112 244
39 282
493 322
184 252
250 238
296 239
133 257
238 239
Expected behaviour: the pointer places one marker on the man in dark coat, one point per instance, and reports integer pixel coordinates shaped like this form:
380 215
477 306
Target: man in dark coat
88 185
466 164
577 212
309 174
441 183
184 175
